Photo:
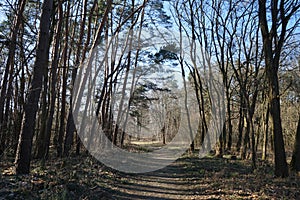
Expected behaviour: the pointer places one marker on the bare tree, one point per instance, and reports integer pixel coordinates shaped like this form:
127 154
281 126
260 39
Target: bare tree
8 73
23 156
274 34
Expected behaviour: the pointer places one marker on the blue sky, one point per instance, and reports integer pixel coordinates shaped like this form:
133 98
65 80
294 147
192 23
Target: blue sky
2 14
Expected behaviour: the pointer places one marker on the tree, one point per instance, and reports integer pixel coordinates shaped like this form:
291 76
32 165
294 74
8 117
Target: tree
274 34
245 62
23 156
136 90
97 38
295 162
45 134
70 126
8 73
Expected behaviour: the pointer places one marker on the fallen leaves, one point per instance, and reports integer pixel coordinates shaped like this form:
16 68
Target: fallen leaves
188 178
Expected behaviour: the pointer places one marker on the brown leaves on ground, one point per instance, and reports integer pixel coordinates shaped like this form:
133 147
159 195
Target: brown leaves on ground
82 177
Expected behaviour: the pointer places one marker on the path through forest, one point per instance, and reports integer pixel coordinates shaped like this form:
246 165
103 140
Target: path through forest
83 177
207 178
172 182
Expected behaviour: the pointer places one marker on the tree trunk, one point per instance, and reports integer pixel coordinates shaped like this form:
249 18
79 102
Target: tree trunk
54 67
40 136
8 68
68 137
64 92
70 127
272 57
281 168
241 124
23 156
266 134
295 163
246 138
229 141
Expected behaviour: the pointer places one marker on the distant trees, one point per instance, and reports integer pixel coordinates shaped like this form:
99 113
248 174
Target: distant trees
228 32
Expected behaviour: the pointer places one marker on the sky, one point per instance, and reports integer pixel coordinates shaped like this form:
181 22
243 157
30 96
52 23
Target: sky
2 13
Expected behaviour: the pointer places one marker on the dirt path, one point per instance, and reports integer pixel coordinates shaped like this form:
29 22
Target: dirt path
169 183
208 178
187 178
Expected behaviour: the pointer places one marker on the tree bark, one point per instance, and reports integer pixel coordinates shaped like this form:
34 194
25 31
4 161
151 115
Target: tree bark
295 162
23 156
68 140
54 67
272 57
70 126
241 124
8 69
266 134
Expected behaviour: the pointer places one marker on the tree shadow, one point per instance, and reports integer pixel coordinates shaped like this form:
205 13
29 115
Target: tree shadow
186 178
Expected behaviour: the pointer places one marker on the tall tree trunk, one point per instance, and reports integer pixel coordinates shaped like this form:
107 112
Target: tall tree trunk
241 123
57 118
20 95
266 134
23 156
272 57
246 137
229 141
8 68
54 73
281 168
295 162
97 38
70 127
253 153
40 135
68 140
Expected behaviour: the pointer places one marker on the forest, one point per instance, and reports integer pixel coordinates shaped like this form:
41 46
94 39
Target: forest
149 99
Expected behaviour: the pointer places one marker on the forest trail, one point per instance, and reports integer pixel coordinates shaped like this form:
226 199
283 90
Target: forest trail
207 178
189 177
172 182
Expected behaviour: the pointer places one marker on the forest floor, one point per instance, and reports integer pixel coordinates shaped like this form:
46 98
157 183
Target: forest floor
83 177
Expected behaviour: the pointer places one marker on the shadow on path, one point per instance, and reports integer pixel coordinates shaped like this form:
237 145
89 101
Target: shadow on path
187 178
